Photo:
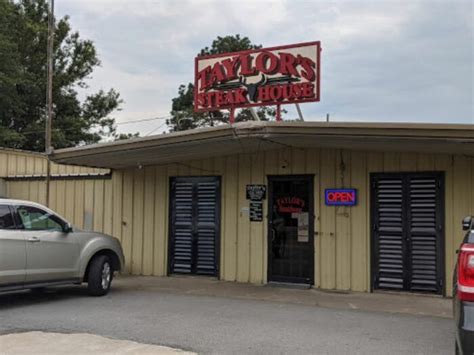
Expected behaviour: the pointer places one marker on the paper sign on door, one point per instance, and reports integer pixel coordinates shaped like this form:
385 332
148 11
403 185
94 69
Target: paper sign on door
303 227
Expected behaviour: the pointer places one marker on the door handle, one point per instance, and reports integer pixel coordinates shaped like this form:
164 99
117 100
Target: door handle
33 240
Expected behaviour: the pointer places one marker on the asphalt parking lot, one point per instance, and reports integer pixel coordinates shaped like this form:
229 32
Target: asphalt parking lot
209 324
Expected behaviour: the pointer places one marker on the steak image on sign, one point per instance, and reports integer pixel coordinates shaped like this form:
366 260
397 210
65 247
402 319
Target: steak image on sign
267 76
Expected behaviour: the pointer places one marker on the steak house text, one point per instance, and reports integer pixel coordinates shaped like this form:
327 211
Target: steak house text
250 79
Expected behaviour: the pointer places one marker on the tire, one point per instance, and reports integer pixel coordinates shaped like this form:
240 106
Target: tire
100 276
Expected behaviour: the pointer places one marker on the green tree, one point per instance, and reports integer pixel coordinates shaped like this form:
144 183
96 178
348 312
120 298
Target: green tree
23 43
183 116
123 136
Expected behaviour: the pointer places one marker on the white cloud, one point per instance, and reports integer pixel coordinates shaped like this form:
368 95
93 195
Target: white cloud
381 60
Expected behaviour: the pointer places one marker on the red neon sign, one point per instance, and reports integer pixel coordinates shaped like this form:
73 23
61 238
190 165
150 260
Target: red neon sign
341 197
290 204
268 76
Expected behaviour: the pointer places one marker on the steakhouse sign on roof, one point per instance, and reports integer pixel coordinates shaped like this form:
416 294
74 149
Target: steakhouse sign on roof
267 76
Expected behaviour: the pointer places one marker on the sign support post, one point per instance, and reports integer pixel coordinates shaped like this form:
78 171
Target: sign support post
300 114
278 113
254 114
232 115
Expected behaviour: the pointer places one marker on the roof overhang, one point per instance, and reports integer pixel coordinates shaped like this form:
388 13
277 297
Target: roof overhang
249 137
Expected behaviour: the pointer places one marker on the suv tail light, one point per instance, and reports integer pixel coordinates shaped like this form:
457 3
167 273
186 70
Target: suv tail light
466 273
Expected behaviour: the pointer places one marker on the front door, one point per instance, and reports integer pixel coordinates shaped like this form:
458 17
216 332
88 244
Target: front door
194 225
291 229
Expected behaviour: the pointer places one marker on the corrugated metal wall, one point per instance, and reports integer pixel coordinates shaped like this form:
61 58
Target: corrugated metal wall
342 248
86 203
17 162
133 206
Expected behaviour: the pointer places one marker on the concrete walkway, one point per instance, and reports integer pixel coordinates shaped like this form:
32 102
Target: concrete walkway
58 343
403 303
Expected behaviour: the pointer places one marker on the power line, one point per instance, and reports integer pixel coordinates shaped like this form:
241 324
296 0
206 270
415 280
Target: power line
144 120
118 123
156 129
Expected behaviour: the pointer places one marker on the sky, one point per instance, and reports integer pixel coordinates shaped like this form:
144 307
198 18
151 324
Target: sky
382 61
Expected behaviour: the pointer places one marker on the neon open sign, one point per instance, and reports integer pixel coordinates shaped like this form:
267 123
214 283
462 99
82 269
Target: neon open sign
341 197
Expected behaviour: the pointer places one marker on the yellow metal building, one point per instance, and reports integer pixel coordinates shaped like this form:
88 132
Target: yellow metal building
165 186
78 193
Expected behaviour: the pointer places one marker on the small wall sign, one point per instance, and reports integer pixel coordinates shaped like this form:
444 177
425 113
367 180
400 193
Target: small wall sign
256 192
340 197
256 211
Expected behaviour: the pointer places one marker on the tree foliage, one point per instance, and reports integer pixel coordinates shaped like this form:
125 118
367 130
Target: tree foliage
23 72
183 116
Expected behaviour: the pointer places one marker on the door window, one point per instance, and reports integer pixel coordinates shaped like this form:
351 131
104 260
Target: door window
6 218
291 250
33 218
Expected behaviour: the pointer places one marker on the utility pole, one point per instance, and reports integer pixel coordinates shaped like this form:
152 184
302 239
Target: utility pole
49 96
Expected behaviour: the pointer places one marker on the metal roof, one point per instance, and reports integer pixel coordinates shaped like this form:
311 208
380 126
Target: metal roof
249 137
22 151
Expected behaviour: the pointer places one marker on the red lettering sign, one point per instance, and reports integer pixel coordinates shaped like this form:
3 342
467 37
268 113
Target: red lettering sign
270 76
290 204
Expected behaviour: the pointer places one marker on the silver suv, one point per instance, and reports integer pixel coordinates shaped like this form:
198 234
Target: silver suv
38 248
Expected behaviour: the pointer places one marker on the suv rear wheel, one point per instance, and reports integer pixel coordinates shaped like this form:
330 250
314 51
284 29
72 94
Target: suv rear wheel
100 275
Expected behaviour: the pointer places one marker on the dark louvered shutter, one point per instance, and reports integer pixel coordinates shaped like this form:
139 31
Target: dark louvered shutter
207 222
182 226
424 233
407 216
194 225
389 245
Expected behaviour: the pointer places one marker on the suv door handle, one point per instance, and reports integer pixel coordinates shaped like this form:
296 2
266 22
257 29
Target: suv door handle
33 240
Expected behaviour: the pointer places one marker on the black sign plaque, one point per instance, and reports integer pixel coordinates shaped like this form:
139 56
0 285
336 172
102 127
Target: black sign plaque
256 192
256 211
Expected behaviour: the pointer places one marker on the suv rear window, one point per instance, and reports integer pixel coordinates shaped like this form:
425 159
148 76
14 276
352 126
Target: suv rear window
6 218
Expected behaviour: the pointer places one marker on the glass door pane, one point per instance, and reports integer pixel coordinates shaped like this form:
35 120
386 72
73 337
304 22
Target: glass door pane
291 251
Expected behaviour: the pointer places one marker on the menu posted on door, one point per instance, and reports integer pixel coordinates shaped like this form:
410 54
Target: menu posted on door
303 227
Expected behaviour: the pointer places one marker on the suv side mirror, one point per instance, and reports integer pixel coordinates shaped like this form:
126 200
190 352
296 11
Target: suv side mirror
467 223
67 228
